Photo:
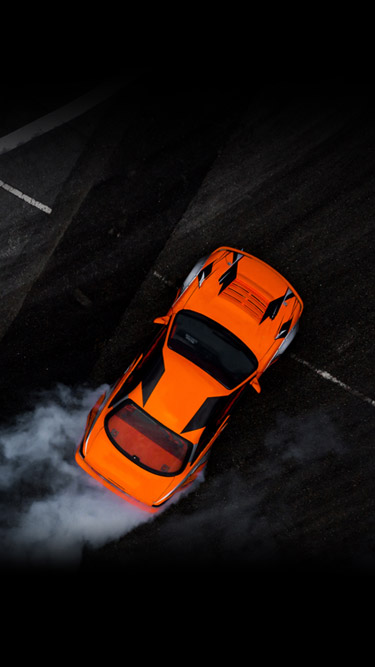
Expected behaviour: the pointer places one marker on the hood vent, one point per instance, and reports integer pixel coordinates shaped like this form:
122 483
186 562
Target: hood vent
245 296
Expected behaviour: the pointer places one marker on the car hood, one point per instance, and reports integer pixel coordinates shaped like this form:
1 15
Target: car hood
248 297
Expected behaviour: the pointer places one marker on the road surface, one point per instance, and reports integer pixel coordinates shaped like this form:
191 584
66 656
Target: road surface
135 189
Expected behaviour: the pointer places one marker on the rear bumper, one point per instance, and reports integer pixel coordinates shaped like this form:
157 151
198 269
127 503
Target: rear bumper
111 486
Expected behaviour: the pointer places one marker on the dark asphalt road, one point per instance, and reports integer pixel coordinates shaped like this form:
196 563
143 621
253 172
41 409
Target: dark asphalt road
166 174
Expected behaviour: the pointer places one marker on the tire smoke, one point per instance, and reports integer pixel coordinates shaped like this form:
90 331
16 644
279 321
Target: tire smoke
50 508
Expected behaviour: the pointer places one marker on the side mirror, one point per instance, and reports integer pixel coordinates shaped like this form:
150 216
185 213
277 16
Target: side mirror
162 320
255 383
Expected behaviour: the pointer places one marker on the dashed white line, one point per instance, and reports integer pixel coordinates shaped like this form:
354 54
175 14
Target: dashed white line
163 280
59 117
26 198
332 378
318 371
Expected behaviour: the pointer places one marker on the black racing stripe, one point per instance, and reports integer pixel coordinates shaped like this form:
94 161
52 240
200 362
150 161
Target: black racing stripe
152 376
284 329
289 294
203 273
204 413
275 305
122 393
228 277
273 308
142 369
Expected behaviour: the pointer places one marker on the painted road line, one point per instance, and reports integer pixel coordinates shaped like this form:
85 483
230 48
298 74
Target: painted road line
332 378
26 198
60 116
163 280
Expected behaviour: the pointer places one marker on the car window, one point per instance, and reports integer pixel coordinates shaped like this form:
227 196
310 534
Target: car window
212 347
145 441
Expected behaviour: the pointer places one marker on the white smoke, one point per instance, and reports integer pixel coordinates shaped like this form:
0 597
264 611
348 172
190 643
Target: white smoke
50 508
245 514
303 438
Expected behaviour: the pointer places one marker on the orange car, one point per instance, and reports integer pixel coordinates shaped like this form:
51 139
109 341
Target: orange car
151 434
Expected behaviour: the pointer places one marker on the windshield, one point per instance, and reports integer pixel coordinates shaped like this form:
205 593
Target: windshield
212 347
145 441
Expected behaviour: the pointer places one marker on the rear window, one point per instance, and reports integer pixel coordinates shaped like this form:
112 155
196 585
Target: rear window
145 441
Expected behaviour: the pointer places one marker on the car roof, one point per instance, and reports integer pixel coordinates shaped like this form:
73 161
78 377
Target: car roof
241 293
178 395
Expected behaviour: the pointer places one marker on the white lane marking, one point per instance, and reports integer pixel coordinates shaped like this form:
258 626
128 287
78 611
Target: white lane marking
26 198
331 378
323 374
58 117
163 280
